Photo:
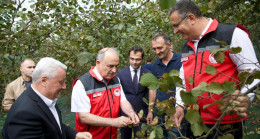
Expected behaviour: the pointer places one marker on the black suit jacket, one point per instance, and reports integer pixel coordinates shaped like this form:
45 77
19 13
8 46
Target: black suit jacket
135 98
30 117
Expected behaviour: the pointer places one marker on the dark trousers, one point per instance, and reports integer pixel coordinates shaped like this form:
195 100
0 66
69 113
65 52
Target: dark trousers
126 132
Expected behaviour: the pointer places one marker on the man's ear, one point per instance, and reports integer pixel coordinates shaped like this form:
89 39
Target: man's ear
97 62
44 80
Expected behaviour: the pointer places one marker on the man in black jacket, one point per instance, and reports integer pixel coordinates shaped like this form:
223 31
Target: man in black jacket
35 113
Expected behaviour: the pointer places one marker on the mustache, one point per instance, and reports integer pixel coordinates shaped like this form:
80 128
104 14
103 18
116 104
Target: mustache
111 72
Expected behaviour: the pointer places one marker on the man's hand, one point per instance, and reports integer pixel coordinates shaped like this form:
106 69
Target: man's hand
149 117
122 121
178 116
236 102
134 118
83 135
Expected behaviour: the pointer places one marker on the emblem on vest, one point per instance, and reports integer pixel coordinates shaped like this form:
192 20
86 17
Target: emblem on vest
97 94
184 59
212 59
117 92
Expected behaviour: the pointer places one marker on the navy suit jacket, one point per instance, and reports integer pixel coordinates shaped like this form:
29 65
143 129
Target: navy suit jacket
135 98
30 117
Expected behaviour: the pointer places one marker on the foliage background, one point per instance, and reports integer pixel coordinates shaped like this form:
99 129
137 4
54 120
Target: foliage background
73 31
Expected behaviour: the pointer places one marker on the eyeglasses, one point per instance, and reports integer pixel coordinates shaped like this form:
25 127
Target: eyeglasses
177 24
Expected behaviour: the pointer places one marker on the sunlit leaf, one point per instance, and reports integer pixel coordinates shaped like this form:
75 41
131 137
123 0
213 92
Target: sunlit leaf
140 114
174 72
152 135
155 121
210 69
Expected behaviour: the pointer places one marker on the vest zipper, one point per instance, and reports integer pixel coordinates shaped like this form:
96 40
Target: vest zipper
201 62
110 112
112 96
193 84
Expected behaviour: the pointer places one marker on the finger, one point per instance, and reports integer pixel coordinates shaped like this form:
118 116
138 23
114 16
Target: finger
236 94
177 122
242 115
241 110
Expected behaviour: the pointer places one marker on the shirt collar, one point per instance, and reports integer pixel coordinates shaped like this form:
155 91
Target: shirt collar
97 74
205 30
46 100
172 59
132 69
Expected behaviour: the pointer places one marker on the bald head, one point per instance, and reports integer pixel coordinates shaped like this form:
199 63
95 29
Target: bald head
107 62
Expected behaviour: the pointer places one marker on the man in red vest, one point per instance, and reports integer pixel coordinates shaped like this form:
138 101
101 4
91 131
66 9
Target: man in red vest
200 32
97 97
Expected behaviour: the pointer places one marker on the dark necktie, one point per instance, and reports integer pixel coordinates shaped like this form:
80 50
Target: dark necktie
135 81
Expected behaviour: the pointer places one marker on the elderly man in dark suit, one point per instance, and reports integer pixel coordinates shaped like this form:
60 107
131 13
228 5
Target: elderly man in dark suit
134 92
35 113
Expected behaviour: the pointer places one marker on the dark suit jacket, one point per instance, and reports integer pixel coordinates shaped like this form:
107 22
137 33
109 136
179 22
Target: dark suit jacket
30 117
135 98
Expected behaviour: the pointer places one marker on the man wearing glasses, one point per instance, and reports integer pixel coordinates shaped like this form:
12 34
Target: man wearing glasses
134 92
200 32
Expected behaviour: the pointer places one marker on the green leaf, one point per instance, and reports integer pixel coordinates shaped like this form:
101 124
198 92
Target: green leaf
170 111
229 87
210 69
191 80
188 98
226 136
198 128
221 42
215 87
84 57
200 89
214 103
120 26
192 116
235 50
166 83
166 4
145 101
150 81
174 72
152 135
219 57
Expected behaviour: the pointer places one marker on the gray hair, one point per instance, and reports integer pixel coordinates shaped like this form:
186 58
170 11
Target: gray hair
166 38
102 52
185 7
47 66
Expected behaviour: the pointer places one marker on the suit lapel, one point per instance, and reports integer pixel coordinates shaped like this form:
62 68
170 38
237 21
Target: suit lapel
45 109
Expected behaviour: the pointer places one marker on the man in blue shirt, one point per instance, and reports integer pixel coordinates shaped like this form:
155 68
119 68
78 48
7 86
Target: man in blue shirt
167 60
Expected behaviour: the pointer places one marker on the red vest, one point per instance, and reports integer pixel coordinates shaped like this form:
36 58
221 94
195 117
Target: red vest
105 102
194 67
